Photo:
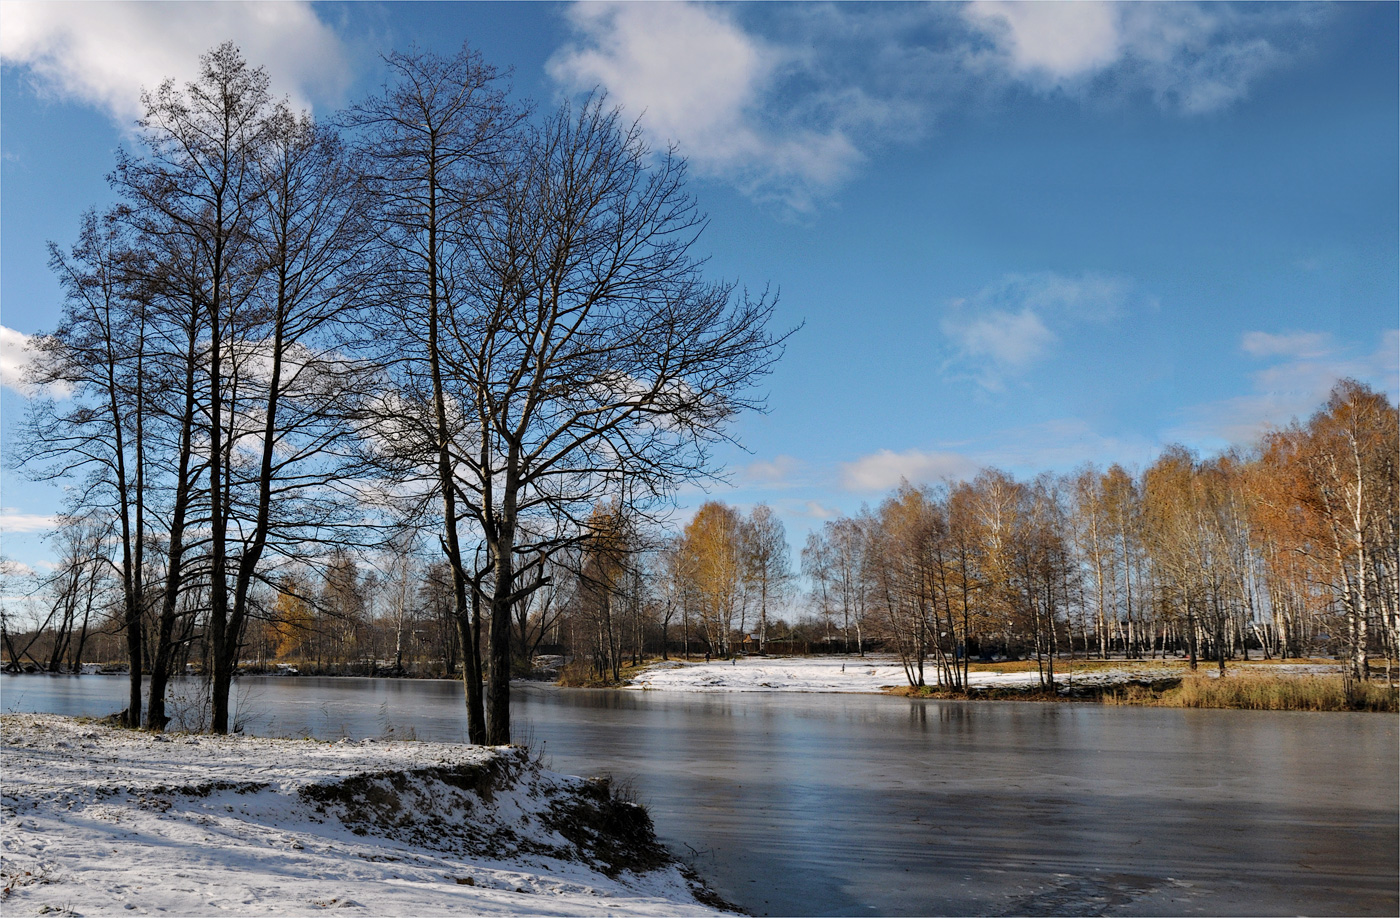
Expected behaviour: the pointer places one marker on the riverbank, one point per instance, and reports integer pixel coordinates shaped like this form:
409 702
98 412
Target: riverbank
1268 685
883 673
101 820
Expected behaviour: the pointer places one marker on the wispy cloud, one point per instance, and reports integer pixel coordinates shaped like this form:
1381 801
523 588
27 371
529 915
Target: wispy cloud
816 510
787 101
1011 341
1297 345
1006 328
1303 368
1190 58
1060 444
14 522
885 469
776 472
105 53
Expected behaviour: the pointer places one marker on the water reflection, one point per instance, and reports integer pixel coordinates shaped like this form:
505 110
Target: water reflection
859 805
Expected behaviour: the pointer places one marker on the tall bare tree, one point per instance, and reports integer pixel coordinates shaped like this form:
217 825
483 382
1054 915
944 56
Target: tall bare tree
429 141
97 359
593 359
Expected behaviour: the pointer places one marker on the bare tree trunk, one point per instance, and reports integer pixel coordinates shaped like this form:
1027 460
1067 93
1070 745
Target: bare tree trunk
498 637
156 718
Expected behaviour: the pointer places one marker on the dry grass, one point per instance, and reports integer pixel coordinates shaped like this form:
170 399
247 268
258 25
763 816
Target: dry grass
977 693
1264 692
581 674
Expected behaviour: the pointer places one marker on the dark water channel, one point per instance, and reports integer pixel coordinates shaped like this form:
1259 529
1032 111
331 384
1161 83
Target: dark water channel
869 805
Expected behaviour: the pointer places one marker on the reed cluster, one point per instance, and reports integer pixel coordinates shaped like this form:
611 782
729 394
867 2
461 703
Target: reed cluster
1265 692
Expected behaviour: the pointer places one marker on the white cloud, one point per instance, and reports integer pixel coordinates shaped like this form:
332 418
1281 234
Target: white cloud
12 568
690 67
699 80
1006 328
1191 58
1058 445
885 469
13 360
105 53
787 101
14 522
1053 41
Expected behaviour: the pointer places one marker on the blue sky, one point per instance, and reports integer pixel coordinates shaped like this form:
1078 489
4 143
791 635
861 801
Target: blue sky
1021 235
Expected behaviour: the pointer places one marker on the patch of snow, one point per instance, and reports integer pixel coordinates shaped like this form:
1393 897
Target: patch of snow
874 673
96 819
778 674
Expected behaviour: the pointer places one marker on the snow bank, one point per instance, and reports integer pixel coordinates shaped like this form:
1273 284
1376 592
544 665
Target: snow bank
874 673
99 820
871 673
775 674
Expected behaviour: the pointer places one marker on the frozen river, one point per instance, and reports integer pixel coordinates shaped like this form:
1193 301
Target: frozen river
806 804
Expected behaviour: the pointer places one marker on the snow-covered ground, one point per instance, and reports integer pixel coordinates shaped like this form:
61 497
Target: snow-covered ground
873 673
104 821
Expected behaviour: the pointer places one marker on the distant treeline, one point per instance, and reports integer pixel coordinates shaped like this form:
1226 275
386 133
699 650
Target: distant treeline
1287 549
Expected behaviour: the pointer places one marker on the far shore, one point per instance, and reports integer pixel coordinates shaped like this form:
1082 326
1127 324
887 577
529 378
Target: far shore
1315 683
1309 684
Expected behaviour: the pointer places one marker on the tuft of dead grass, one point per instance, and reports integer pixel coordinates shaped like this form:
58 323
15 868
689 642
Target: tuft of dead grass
581 674
1265 692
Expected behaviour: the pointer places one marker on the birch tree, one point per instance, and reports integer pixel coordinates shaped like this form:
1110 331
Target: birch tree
769 563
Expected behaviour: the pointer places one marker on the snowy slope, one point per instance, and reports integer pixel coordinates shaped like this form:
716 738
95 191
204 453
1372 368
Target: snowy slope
98 820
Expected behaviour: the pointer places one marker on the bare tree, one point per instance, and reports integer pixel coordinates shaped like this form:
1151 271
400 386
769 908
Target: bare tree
97 357
77 586
537 614
197 185
593 358
426 141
